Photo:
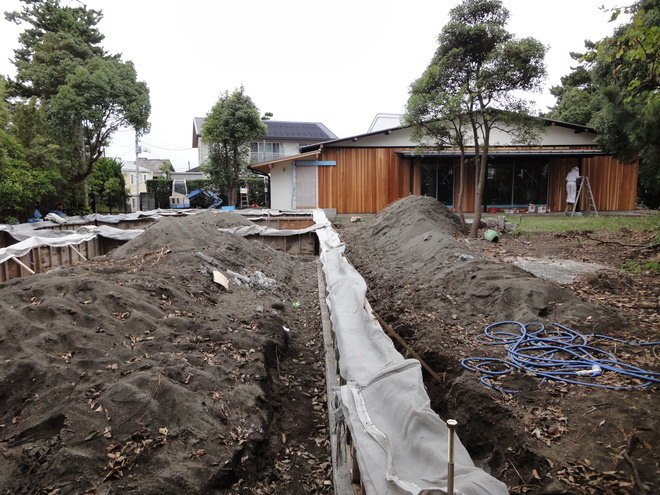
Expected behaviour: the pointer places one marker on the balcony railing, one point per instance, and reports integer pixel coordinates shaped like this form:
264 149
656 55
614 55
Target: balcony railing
259 157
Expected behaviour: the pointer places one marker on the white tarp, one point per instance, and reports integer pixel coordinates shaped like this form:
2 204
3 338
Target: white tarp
401 444
262 230
60 238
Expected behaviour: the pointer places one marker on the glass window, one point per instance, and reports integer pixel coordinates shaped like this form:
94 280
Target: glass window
499 184
530 183
517 182
438 181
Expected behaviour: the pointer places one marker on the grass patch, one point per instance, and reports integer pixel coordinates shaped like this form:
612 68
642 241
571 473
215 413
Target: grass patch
642 267
548 223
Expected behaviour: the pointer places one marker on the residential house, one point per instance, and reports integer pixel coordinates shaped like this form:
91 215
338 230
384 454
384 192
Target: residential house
135 178
159 167
365 173
281 140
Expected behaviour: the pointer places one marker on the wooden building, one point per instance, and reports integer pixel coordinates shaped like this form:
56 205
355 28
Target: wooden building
365 173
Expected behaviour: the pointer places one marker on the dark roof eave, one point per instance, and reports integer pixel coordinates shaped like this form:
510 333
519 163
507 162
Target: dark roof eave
529 152
548 122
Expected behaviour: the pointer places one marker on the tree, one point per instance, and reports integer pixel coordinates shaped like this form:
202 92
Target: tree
229 128
59 39
84 93
578 100
166 169
475 73
616 90
439 120
626 69
96 100
22 186
107 183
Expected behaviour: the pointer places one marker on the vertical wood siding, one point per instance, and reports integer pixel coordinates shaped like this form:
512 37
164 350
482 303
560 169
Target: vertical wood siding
364 180
614 184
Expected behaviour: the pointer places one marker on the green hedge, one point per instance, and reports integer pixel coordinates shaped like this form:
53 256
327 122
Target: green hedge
162 189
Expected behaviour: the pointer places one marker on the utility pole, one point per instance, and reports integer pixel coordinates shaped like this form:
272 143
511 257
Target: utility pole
137 170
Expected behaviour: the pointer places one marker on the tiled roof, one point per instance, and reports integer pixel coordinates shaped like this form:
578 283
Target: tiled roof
305 131
277 129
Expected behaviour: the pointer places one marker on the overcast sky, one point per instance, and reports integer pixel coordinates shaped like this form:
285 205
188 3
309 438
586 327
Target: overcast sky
339 62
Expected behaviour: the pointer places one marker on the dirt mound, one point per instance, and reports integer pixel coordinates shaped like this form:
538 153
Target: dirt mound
411 221
182 233
419 234
135 373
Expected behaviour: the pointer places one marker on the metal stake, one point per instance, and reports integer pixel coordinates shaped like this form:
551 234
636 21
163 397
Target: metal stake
451 424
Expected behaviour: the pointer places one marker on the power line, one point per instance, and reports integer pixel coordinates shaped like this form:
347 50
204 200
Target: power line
165 149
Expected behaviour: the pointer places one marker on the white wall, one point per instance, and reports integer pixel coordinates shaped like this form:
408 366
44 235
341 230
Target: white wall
281 186
553 136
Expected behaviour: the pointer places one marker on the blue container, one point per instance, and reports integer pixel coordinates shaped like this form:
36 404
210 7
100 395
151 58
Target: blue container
228 208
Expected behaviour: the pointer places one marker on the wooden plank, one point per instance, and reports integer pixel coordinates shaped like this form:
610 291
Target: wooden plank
23 265
78 252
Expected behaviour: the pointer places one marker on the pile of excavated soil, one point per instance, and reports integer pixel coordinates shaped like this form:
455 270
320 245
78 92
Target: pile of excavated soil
135 373
417 236
438 292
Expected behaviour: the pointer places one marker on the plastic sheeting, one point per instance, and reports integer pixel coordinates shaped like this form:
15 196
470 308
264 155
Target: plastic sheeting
401 444
60 238
262 230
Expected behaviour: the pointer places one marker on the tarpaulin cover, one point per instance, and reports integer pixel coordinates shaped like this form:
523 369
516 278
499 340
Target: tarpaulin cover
401 444
59 238
262 230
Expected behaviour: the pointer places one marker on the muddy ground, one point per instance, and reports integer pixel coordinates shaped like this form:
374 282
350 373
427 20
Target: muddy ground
136 373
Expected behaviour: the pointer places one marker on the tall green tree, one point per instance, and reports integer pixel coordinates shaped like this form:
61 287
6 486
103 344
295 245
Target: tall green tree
58 39
23 187
478 69
439 120
229 128
578 99
107 184
85 94
616 90
95 101
626 69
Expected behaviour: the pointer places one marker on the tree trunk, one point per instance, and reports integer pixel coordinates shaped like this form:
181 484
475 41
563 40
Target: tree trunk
461 191
480 183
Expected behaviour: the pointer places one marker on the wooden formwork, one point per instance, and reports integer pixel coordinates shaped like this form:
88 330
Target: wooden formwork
140 223
306 244
43 258
284 223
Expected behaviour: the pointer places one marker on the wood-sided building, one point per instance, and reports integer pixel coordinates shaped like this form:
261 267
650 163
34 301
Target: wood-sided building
365 173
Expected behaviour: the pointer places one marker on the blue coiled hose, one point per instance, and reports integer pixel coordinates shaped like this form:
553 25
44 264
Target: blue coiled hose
557 353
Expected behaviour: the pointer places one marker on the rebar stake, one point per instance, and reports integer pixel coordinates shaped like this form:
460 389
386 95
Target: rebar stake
451 424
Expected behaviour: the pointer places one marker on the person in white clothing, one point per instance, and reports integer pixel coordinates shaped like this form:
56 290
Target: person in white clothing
571 185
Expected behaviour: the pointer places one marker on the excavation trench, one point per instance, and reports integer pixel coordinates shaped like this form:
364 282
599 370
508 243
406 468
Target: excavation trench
439 293
207 389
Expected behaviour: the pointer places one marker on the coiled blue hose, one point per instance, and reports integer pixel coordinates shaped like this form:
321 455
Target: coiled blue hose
554 353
